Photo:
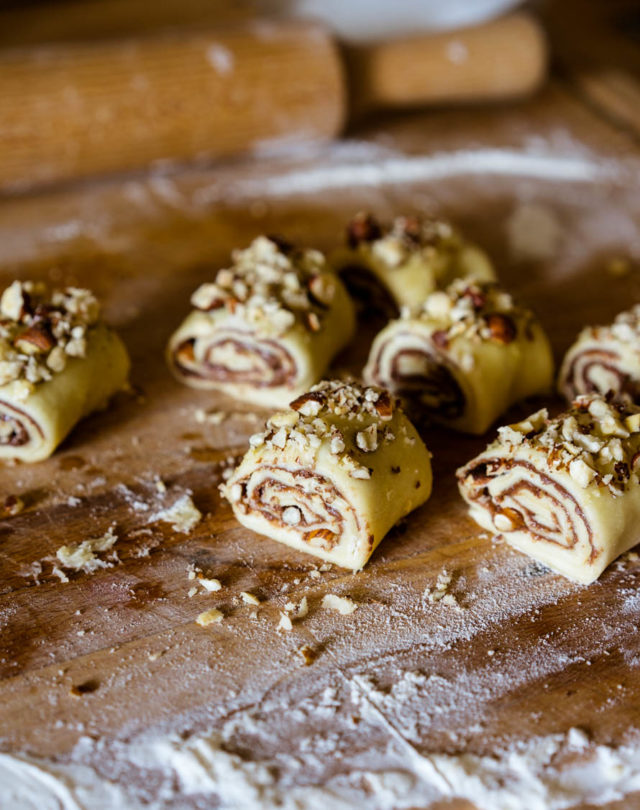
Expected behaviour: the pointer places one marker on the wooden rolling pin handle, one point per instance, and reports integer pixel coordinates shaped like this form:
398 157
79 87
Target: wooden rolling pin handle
73 110
501 59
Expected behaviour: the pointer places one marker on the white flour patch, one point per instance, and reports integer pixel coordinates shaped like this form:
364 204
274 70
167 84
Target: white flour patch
414 169
546 773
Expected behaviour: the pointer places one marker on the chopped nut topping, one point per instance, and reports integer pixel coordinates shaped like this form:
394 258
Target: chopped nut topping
478 311
249 598
501 328
363 228
311 424
407 235
272 286
367 440
595 441
39 332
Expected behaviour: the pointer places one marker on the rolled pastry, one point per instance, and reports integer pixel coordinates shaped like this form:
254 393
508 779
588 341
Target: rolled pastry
398 266
332 474
469 354
58 363
565 491
603 359
267 328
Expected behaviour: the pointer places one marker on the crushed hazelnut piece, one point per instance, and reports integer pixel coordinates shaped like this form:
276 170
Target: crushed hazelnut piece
341 604
210 585
207 617
271 285
308 654
40 331
285 622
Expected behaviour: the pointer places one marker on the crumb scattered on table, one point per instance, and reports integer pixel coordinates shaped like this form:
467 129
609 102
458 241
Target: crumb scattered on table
84 556
208 617
183 515
285 622
210 585
342 604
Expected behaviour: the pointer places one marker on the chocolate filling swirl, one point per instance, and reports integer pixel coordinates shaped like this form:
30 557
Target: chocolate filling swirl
527 500
370 294
410 367
598 371
17 428
236 358
303 501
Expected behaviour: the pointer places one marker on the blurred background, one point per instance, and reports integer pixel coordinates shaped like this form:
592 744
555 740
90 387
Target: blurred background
95 87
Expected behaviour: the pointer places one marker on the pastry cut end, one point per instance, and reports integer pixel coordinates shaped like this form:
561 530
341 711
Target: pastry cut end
304 510
564 490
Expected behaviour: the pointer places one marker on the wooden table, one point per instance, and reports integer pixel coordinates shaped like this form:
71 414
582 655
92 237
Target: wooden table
117 654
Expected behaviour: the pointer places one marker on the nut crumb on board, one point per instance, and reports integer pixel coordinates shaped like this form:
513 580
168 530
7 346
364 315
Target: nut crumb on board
441 591
210 417
285 622
297 610
210 585
308 654
83 556
183 515
12 505
58 572
208 617
342 604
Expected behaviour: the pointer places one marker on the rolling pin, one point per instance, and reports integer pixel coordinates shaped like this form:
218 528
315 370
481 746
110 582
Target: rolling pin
76 109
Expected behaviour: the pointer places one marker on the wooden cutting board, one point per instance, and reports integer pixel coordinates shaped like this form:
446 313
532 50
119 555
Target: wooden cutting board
524 654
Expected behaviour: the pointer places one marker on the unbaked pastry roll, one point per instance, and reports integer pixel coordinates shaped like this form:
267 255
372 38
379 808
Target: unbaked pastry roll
465 358
267 328
331 475
565 491
398 266
603 359
58 363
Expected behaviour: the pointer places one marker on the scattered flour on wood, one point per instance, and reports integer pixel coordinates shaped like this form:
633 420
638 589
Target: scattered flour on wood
529 776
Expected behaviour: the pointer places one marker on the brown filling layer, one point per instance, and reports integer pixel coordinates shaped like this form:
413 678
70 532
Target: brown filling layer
272 365
312 525
579 378
371 296
552 495
17 419
434 387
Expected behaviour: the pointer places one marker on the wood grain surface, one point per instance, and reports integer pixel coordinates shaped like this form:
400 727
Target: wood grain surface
115 653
